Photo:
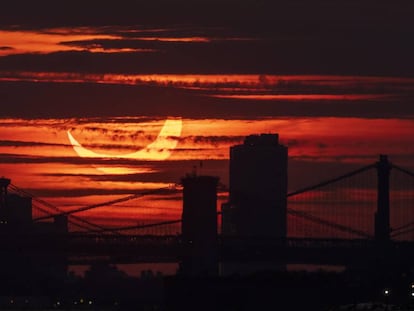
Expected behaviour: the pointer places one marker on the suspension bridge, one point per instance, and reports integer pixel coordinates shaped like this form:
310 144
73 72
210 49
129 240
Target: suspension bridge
365 215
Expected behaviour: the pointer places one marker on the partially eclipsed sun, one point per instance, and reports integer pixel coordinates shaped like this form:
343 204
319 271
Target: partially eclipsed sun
160 149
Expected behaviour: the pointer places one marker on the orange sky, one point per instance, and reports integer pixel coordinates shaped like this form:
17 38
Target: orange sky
44 162
113 87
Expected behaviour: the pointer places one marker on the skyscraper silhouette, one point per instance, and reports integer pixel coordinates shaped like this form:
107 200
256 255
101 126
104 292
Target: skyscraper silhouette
21 266
199 226
258 188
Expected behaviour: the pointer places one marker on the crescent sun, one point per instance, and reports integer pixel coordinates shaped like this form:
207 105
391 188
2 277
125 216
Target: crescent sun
159 149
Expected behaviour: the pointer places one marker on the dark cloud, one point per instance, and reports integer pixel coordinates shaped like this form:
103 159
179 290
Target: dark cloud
251 13
298 37
167 169
271 56
18 143
74 100
79 192
164 172
8 158
313 37
228 84
300 143
291 37
117 135
213 140
6 48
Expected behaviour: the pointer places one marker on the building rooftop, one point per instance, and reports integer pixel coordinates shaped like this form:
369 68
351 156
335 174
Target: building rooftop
262 139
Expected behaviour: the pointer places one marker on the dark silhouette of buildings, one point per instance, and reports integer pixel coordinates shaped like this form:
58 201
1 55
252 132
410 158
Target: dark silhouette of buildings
199 226
24 265
15 210
256 212
258 188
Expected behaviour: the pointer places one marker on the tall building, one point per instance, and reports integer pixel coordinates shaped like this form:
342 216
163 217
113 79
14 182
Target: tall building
199 226
15 210
258 188
20 261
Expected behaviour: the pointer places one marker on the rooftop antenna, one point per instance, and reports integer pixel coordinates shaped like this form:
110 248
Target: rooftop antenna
197 168
194 173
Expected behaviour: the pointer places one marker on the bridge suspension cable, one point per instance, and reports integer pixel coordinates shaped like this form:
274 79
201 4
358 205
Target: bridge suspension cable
403 229
402 232
84 222
107 203
302 214
331 224
291 211
294 212
399 230
330 181
403 170
328 202
142 226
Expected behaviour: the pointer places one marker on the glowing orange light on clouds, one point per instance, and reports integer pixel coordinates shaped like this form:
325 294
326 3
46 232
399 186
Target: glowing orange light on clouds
20 41
64 39
41 156
174 39
219 82
206 138
159 149
47 164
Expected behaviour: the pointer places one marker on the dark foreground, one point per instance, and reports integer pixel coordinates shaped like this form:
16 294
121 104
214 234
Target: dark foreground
105 288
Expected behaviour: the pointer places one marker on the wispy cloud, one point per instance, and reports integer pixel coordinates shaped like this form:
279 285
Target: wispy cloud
115 39
203 96
16 143
329 84
26 41
211 140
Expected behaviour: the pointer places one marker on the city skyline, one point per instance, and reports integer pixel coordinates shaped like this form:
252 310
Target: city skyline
335 82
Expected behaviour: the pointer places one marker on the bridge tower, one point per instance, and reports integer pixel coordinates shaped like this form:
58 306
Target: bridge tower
199 226
382 215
